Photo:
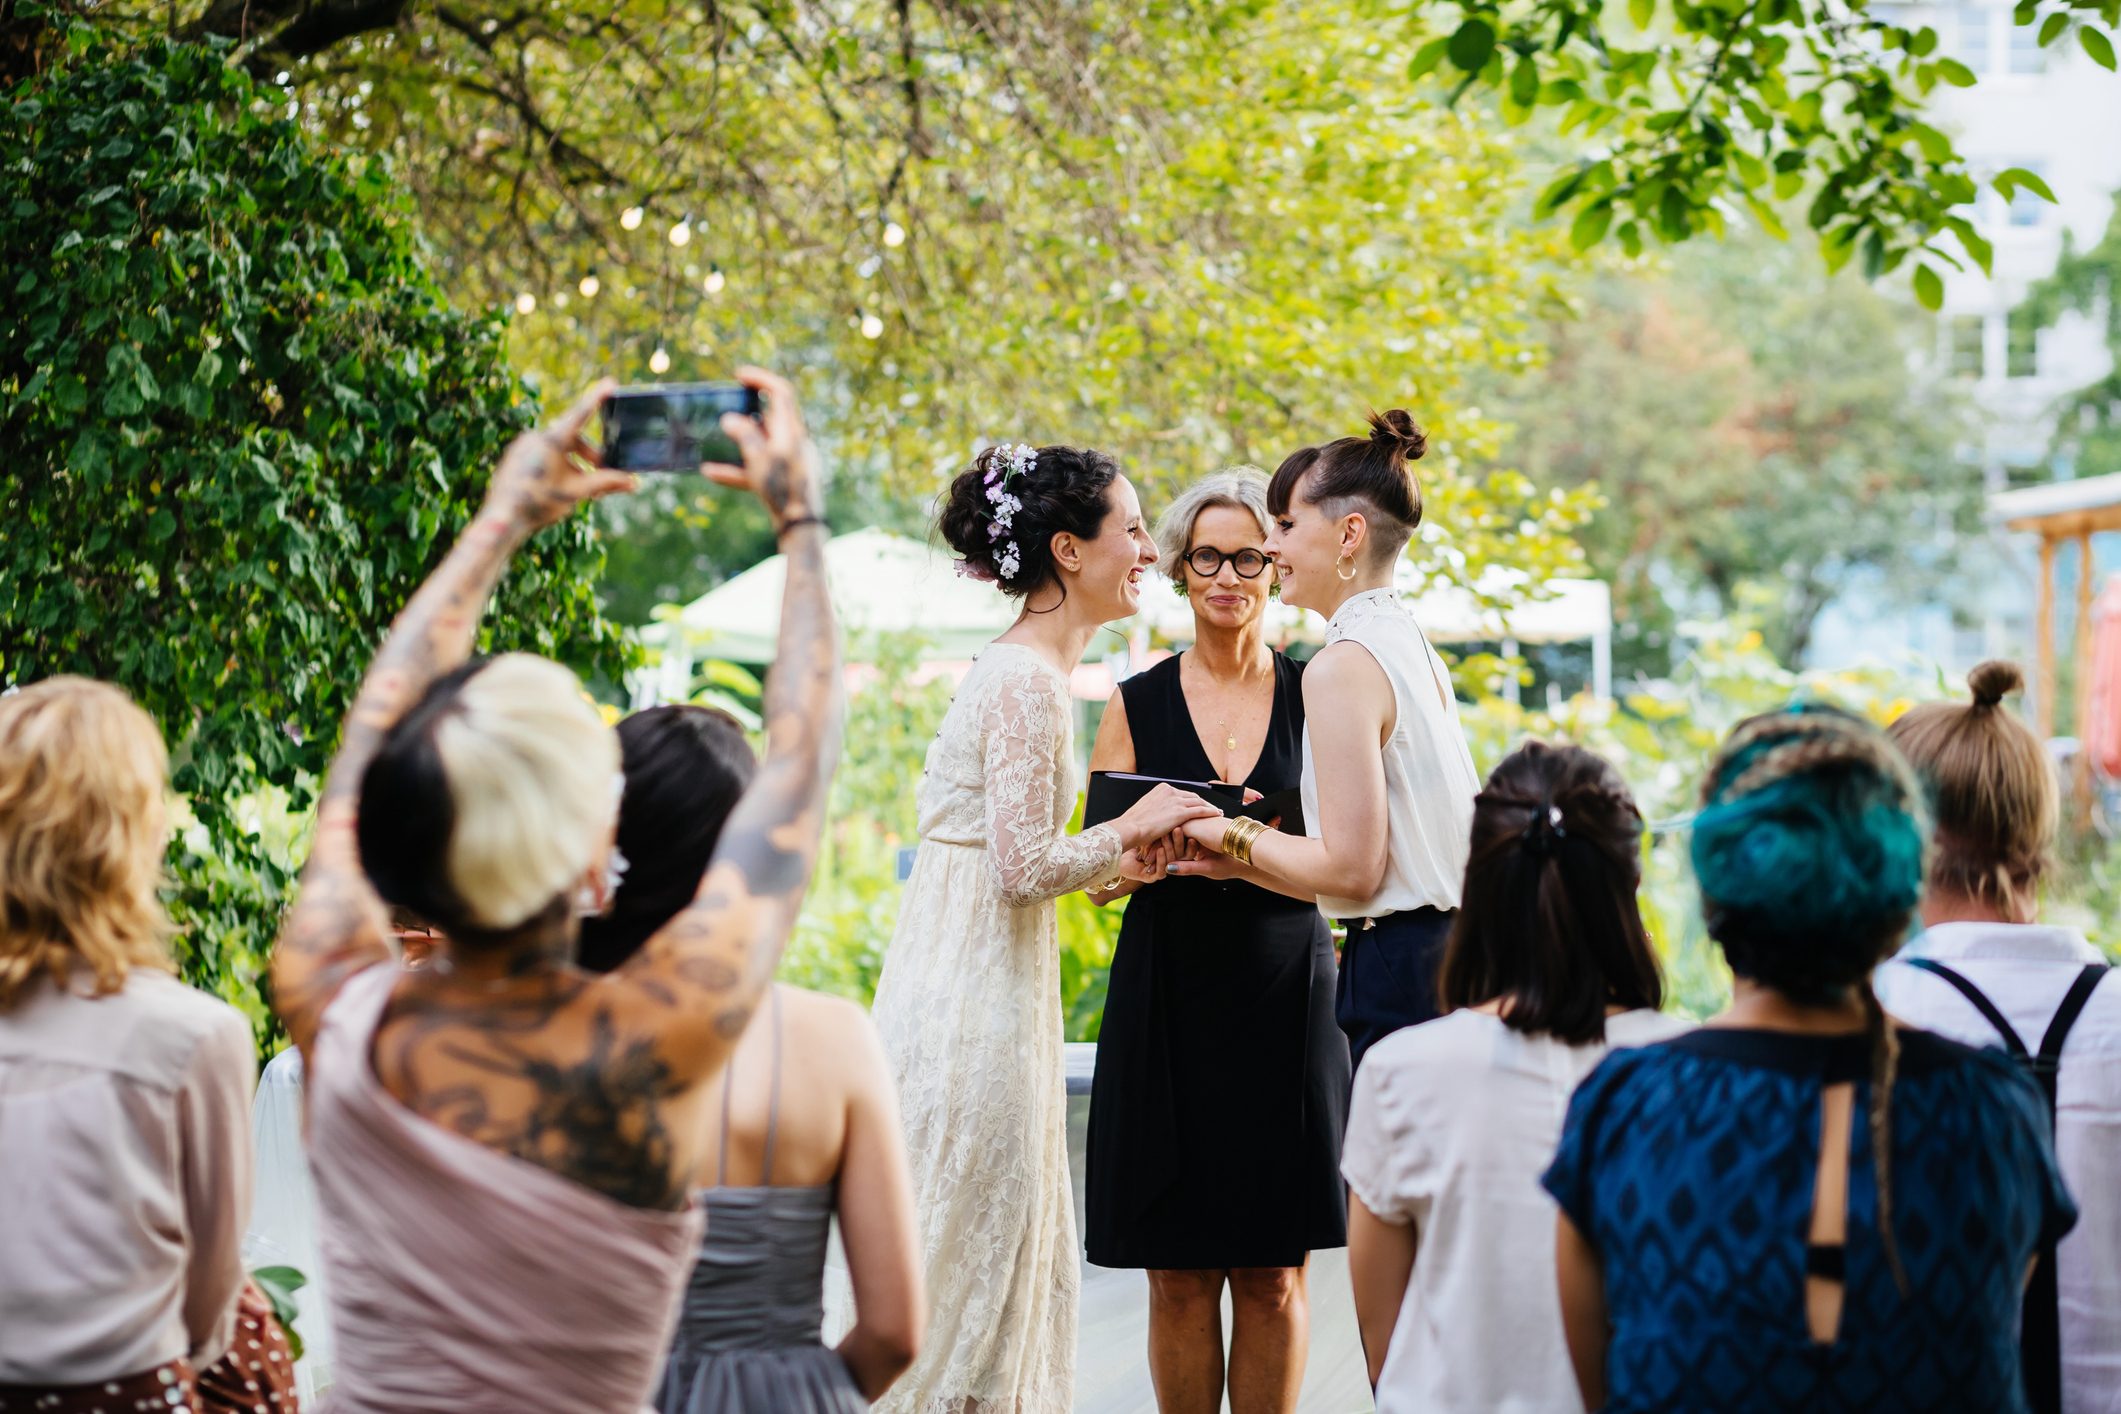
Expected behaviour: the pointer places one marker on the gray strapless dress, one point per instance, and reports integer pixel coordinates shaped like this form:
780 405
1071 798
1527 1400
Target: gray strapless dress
748 1339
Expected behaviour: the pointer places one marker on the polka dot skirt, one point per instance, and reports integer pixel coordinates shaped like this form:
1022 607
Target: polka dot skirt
256 1376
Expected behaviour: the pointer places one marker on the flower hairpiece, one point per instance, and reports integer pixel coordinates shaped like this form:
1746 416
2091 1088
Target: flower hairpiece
1005 464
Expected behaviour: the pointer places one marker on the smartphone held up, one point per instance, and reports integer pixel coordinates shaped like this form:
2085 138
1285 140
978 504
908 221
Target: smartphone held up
673 426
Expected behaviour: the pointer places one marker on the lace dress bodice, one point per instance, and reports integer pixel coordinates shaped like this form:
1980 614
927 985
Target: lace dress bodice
969 1011
1000 777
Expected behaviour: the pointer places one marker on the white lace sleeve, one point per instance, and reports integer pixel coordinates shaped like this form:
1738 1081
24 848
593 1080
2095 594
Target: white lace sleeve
1033 856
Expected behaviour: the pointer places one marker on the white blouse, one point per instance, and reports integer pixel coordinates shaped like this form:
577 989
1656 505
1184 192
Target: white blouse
2024 969
125 1171
1429 777
1453 1122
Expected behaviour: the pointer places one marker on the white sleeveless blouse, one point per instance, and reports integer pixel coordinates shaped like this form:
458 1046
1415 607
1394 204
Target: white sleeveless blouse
1429 777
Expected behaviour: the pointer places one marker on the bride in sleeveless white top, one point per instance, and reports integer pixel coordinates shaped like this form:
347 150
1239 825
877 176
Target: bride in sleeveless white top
969 1002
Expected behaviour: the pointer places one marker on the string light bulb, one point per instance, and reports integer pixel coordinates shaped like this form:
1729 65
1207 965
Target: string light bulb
714 281
526 302
630 218
681 233
659 361
589 286
894 235
872 327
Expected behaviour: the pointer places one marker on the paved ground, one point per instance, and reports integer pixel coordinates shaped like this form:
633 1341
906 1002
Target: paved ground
1112 1362
1112 1365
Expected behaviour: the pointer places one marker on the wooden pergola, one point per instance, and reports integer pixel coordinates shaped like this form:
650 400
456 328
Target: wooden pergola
2059 511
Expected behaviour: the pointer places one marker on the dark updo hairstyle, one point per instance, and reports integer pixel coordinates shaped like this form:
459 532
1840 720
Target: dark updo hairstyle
1992 790
1549 922
1063 491
1361 474
686 767
1809 851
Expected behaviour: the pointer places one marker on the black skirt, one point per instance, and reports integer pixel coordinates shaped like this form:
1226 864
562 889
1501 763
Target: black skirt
1222 1082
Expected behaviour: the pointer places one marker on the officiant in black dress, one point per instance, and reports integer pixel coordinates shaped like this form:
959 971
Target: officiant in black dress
1222 1081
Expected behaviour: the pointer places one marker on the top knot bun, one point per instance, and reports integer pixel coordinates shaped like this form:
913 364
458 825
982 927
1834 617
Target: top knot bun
1397 426
1993 681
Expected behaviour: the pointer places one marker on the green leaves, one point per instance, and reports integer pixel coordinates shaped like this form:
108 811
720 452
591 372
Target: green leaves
229 367
1689 121
1929 287
1472 44
2010 179
1589 227
2097 45
1427 57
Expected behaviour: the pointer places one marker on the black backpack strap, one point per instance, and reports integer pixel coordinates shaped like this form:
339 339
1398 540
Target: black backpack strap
2040 1340
2080 992
1981 1003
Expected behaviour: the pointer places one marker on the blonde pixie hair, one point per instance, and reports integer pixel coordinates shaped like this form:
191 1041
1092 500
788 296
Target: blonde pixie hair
1242 488
492 797
83 825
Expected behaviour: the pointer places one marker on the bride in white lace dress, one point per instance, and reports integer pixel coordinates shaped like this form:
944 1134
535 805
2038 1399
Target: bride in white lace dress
969 1001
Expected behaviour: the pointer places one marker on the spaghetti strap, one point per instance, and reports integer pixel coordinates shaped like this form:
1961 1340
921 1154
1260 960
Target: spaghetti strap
773 1106
721 1153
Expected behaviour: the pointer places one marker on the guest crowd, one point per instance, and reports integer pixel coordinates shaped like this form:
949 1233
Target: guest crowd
574 1150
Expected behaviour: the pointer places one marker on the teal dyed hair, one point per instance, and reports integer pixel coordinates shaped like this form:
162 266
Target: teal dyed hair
1809 849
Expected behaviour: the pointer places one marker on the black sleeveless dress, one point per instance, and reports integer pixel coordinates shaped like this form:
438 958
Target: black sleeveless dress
1222 1081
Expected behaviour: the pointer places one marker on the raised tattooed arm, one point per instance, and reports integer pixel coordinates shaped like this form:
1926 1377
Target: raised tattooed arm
336 926
704 971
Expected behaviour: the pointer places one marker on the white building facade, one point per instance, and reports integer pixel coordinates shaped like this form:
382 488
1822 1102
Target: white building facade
2057 114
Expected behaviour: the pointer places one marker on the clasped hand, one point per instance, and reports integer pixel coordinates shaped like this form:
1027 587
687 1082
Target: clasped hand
1193 849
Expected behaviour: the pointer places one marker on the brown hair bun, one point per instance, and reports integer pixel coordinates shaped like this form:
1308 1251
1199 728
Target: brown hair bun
1396 427
1993 681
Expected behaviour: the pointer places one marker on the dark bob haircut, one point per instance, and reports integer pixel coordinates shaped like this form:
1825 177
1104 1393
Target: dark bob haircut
1549 922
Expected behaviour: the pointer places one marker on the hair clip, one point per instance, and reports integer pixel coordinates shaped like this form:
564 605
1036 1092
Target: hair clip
1545 831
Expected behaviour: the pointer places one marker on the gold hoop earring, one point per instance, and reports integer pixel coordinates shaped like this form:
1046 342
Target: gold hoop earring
1345 567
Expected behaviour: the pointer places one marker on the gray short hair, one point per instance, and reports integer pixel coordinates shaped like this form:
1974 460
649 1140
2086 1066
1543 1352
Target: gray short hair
1243 488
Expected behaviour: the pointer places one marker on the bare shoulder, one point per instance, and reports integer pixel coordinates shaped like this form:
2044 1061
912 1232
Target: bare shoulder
1114 747
1341 668
836 1033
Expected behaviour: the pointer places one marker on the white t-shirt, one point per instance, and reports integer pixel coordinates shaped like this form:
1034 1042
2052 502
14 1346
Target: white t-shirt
1453 1122
2024 969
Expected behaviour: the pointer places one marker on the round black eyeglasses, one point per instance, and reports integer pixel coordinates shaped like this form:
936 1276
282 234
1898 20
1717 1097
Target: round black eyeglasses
1207 562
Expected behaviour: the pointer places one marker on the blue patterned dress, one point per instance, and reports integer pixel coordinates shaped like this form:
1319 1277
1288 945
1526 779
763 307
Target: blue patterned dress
1689 1167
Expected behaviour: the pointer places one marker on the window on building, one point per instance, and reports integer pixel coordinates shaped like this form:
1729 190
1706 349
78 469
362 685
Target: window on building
2026 467
2026 56
2026 208
2021 345
1973 26
1966 335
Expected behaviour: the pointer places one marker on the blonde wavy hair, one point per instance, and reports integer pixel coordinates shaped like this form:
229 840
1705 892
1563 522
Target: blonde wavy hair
83 824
